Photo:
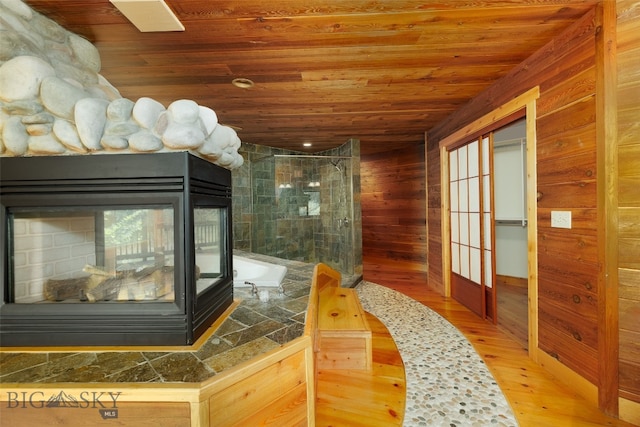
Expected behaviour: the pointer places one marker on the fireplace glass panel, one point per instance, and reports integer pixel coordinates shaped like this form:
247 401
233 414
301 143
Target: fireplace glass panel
93 255
210 259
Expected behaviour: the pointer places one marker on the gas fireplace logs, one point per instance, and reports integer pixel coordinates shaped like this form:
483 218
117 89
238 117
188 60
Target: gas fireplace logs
150 283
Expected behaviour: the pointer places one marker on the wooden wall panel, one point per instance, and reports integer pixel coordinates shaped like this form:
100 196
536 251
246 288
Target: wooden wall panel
553 341
257 399
628 54
580 300
434 218
127 414
570 323
566 175
570 272
394 244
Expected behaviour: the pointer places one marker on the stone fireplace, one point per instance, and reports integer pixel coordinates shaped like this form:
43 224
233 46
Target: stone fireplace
113 249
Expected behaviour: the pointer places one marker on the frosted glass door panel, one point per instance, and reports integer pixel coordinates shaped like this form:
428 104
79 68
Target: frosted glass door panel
464 228
463 195
454 196
487 208
488 269
464 261
475 265
474 194
472 159
455 258
455 227
487 231
466 211
462 162
474 230
453 166
486 193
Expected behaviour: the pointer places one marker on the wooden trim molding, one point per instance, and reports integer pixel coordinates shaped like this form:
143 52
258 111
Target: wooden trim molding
629 411
575 381
607 196
445 220
486 121
522 105
532 225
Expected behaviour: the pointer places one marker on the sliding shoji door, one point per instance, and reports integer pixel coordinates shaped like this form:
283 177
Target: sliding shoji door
471 225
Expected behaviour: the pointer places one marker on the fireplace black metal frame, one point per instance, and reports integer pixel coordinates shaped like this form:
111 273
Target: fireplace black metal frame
179 179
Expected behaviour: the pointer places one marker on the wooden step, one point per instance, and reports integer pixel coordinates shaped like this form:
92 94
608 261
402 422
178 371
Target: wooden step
343 339
358 398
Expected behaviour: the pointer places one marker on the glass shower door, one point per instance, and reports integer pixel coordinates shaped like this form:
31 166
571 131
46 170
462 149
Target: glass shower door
303 209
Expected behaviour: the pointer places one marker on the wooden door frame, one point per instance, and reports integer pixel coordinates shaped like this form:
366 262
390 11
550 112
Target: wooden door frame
506 113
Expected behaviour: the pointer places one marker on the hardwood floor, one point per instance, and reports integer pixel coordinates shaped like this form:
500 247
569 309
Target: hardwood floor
355 398
512 305
536 397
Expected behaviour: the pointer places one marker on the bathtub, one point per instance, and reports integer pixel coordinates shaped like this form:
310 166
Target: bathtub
258 272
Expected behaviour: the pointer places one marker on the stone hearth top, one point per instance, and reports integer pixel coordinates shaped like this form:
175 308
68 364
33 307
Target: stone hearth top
253 328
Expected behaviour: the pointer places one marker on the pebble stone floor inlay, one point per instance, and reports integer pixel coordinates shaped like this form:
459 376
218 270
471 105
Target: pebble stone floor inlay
448 383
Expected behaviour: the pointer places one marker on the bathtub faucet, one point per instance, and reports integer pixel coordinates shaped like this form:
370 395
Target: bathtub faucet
254 288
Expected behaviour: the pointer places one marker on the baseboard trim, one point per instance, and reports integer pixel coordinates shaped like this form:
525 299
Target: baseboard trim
629 411
573 380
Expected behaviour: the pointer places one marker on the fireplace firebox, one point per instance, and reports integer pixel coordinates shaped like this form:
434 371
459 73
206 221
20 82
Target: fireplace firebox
116 249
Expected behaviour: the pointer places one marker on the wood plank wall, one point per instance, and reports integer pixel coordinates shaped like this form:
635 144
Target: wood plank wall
628 37
567 180
394 216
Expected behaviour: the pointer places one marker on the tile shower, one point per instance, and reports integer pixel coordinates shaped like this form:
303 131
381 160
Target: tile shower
300 207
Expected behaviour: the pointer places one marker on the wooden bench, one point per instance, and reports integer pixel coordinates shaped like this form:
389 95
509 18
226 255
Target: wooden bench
343 338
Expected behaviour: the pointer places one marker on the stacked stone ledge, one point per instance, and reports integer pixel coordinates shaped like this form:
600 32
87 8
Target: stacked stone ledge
53 101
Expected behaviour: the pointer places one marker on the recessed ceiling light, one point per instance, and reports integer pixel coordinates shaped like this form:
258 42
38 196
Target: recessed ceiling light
306 144
242 83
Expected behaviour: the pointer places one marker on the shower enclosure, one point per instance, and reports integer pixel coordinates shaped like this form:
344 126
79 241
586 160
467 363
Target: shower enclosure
303 209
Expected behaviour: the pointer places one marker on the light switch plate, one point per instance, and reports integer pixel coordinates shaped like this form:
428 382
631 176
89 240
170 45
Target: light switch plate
561 219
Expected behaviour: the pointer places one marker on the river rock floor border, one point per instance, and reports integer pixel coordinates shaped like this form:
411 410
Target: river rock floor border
448 384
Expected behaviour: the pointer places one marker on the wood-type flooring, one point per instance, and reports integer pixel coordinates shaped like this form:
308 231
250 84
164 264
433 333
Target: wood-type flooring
376 399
